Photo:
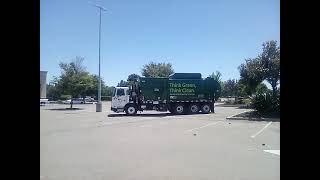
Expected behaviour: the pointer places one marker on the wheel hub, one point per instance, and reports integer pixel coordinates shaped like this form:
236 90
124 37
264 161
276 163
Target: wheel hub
131 110
194 108
206 108
179 109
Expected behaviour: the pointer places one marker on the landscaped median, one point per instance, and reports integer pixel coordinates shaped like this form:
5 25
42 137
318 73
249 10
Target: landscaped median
253 115
231 105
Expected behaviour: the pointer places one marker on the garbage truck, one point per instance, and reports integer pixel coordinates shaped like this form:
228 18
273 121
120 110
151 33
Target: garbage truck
180 93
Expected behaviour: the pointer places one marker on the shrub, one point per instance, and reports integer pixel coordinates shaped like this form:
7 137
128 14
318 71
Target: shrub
265 103
239 100
106 98
247 102
65 97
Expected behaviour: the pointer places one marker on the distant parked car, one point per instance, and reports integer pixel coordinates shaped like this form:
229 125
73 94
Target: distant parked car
44 101
75 101
89 99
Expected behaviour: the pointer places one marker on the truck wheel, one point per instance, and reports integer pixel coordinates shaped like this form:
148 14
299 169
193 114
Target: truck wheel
131 109
179 109
194 108
205 108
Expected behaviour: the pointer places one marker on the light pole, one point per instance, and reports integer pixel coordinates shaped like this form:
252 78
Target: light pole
99 104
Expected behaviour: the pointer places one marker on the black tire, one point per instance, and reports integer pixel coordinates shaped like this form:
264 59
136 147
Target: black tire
194 108
179 109
131 110
205 108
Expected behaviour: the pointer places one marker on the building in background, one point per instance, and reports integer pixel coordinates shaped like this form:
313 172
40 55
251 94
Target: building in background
43 84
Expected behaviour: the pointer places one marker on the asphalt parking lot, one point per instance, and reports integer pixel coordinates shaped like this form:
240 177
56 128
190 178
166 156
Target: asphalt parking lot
82 144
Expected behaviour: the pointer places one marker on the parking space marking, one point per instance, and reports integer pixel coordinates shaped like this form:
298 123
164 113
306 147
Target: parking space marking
210 124
148 125
253 136
277 152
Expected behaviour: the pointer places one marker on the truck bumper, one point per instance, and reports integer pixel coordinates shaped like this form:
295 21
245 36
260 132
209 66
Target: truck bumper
116 110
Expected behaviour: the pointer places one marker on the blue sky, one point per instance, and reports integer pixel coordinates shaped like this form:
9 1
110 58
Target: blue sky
194 35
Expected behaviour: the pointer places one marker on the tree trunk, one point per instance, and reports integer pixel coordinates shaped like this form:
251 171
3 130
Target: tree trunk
71 103
274 89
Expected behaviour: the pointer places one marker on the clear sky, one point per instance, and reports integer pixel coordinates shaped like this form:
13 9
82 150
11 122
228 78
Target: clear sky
194 35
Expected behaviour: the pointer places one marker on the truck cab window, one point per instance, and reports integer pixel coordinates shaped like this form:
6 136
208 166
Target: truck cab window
120 92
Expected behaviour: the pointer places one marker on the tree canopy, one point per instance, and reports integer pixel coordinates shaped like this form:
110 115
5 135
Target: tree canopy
229 88
265 67
76 82
154 69
270 59
217 76
133 77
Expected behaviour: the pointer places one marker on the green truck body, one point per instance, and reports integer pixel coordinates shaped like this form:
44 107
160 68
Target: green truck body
180 93
173 90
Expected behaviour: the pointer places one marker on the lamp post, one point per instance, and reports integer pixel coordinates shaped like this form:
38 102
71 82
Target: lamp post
99 104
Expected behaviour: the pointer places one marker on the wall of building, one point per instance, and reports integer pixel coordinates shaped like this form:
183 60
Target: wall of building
43 84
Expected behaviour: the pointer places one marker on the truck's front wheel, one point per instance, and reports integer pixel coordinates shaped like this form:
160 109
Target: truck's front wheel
131 109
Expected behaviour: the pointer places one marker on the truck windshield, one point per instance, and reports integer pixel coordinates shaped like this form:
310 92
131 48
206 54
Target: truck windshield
114 92
120 92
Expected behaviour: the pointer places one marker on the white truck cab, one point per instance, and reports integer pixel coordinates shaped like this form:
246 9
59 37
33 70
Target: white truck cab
120 98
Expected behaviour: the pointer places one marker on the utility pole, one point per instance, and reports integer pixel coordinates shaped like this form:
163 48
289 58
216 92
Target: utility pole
99 104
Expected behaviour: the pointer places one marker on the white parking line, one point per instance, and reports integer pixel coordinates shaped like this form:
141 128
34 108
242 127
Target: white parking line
253 136
146 125
277 152
210 124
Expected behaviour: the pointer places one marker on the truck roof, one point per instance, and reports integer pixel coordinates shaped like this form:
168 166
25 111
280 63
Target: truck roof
185 76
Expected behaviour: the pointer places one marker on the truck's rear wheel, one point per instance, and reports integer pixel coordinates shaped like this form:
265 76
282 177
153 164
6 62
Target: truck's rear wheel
179 109
194 108
205 108
131 109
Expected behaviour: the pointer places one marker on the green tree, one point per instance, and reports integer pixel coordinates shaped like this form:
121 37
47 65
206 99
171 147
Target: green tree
108 91
265 67
157 70
270 60
74 79
251 74
52 92
133 77
217 76
93 86
123 83
242 89
229 88
262 89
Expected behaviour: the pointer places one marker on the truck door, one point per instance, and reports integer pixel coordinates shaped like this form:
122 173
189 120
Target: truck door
120 98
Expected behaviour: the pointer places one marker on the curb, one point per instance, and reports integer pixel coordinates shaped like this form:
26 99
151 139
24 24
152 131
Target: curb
258 119
228 105
233 105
